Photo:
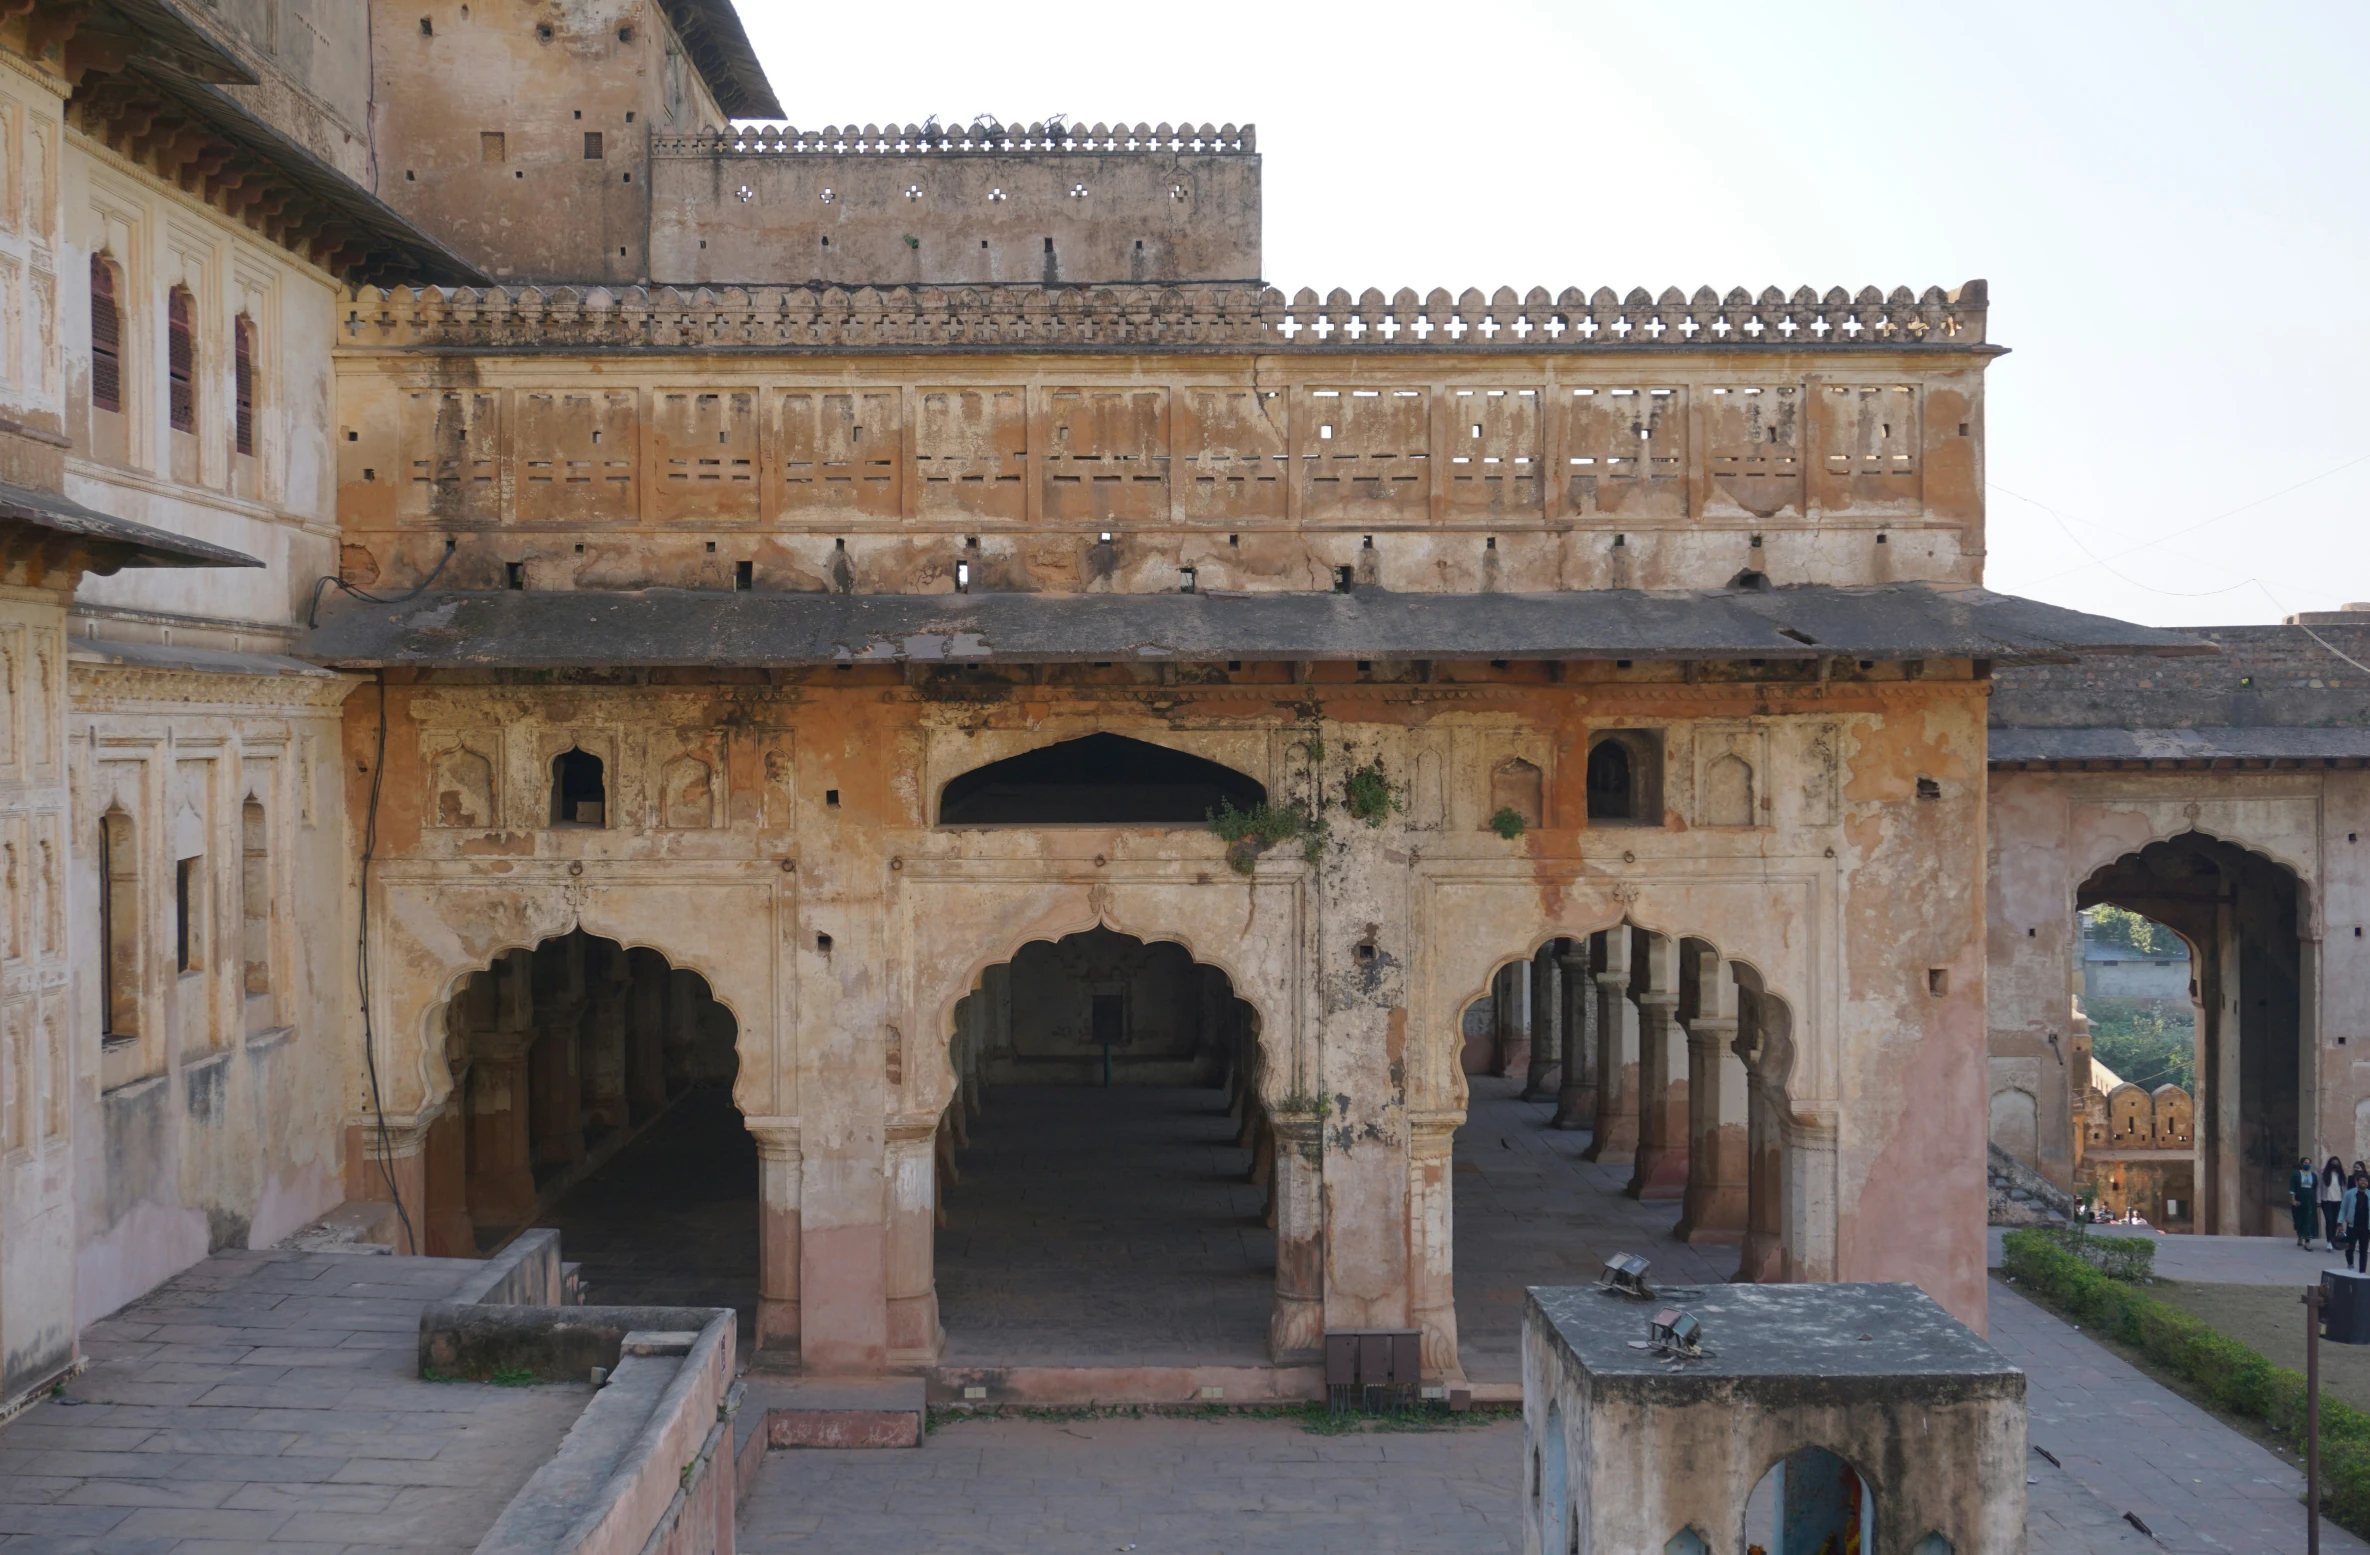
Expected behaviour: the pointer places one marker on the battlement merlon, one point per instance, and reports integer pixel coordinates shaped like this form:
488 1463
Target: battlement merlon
991 204
1173 317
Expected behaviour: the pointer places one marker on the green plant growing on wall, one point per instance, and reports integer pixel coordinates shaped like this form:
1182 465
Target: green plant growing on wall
1249 833
1369 794
1299 1104
1507 822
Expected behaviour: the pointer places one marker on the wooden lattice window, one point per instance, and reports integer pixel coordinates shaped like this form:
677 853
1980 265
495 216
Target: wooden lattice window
106 338
243 355
181 359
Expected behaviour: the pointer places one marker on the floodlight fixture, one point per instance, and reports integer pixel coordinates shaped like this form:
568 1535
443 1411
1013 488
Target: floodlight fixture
1625 1275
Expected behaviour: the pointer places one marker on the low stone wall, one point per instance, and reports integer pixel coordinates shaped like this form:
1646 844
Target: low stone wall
524 1274
648 1468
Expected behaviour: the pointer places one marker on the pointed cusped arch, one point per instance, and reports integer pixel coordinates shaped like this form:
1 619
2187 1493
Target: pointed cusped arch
1098 779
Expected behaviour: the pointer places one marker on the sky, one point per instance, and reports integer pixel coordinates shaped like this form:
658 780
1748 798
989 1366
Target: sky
2168 201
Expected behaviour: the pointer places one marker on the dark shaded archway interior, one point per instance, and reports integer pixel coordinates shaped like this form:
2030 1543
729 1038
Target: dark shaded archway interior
1103 1205
594 1089
2239 913
1100 779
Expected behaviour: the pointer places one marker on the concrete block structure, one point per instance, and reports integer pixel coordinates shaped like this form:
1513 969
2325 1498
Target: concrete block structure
1822 1418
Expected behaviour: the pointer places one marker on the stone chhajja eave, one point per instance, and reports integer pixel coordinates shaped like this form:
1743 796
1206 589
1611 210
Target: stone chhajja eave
1183 316
759 629
985 138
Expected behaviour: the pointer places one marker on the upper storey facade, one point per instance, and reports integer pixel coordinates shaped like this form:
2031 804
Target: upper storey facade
1158 439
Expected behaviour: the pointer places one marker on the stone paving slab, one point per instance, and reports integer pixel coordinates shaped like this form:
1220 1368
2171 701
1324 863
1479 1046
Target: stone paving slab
2133 1445
267 1401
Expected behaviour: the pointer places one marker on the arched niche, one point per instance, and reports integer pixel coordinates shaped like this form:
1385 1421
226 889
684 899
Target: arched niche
1098 779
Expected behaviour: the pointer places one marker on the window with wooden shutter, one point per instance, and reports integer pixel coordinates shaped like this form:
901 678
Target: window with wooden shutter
106 338
181 360
243 346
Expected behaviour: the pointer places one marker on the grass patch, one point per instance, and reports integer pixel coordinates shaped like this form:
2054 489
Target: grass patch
1249 833
2221 1371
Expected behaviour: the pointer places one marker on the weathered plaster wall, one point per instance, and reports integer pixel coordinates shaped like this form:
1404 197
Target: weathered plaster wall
482 118
2051 831
211 1098
1255 472
748 211
275 504
842 928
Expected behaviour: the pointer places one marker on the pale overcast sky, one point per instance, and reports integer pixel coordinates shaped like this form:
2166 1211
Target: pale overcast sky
2168 201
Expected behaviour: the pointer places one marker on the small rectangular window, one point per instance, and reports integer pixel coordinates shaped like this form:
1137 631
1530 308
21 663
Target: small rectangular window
243 351
181 359
106 338
491 146
187 882
592 145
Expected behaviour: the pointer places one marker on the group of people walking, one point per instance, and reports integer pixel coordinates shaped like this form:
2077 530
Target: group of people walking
2343 1200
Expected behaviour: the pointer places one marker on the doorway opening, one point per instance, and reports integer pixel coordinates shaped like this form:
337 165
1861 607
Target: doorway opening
593 1093
2212 1156
1103 1172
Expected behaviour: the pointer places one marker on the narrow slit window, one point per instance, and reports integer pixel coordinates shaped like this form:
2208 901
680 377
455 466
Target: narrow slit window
119 927
106 338
243 358
181 359
189 946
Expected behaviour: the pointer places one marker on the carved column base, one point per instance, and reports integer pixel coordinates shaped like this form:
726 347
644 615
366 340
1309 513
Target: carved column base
1575 1107
1660 1173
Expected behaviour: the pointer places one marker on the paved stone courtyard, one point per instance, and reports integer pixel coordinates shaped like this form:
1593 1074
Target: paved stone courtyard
269 1401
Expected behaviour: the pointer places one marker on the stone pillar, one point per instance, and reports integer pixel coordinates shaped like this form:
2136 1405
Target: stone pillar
553 1088
1660 1169
1718 1163
1575 1099
1431 1243
646 1056
910 1172
685 994
1512 1046
395 1153
501 1140
605 1108
448 1232
1296 1332
780 1168
1763 1257
1617 1054
1547 1004
1809 1254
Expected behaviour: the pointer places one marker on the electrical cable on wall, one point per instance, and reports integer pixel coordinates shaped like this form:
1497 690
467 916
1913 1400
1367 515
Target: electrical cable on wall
370 1059
312 615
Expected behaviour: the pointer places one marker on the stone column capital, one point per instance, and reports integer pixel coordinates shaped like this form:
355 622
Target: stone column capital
1711 1028
777 1138
908 1132
1658 999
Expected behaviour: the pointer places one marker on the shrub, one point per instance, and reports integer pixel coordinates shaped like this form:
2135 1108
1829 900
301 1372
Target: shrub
2225 1372
1249 833
1369 795
1507 822
2131 1259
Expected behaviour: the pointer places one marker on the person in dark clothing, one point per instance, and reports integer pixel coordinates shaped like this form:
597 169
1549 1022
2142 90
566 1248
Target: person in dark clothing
2354 1218
2304 1191
2333 1185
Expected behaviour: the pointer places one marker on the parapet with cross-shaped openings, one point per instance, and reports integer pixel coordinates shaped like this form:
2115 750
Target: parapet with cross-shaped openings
967 204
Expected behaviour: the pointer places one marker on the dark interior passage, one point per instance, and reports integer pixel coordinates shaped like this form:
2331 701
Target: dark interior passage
1104 779
1105 1227
671 1218
1104 1179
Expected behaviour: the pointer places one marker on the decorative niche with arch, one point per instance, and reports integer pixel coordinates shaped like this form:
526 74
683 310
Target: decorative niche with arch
1100 779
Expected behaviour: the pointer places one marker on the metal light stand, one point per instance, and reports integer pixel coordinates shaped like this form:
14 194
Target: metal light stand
2314 1297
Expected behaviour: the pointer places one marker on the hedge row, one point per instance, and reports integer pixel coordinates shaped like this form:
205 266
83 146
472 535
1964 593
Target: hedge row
2226 1372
